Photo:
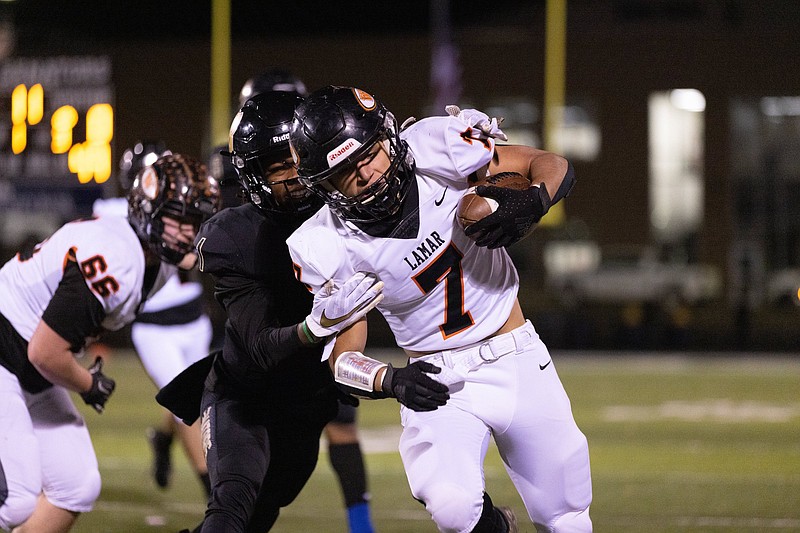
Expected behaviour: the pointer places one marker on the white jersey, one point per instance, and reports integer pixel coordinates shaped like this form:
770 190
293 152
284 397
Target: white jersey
174 292
103 207
111 260
442 291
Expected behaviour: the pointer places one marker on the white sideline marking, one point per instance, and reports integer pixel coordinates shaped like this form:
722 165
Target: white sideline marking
155 520
711 410
722 521
736 523
147 509
379 440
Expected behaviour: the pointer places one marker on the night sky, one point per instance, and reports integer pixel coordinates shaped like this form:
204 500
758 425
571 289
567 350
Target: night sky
43 21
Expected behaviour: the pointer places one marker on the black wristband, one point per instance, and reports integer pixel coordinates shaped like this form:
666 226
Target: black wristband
386 383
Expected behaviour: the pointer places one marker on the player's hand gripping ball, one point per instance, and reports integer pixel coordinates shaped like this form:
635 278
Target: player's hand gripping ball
507 207
473 207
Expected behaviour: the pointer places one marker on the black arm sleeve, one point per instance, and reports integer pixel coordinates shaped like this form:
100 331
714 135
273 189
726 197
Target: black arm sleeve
249 306
74 312
566 184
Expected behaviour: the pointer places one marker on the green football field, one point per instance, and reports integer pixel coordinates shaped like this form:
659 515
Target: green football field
678 443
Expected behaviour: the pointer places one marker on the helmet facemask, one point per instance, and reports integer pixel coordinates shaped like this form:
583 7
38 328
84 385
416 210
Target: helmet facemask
381 199
163 243
177 187
284 195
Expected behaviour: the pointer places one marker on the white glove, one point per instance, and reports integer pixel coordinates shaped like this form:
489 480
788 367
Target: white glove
336 309
487 127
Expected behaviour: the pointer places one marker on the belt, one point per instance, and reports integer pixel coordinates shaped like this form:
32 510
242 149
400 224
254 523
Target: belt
470 357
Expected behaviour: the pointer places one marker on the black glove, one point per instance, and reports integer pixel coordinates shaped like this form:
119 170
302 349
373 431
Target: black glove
518 210
345 395
413 388
102 387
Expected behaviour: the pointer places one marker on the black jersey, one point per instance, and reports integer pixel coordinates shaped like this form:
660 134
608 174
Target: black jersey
245 251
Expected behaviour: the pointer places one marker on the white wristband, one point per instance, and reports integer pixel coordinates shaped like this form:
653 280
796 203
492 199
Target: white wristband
357 370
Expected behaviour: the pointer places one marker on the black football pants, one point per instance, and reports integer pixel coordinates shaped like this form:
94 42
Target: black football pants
261 454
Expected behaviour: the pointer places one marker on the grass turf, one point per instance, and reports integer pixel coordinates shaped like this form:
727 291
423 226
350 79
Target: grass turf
678 443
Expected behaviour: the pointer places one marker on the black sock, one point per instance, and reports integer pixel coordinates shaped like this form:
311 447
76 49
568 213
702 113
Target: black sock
492 520
348 463
206 481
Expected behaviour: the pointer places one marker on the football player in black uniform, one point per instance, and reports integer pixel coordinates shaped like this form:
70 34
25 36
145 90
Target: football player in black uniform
268 395
341 434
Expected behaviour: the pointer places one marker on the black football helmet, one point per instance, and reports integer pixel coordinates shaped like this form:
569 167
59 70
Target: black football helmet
175 185
332 130
143 153
221 167
259 139
272 80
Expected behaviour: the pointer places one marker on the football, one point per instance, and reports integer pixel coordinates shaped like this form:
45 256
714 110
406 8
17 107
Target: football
472 207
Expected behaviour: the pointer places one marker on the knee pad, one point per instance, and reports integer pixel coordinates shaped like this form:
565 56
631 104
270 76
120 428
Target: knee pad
80 495
16 509
573 522
452 508
236 494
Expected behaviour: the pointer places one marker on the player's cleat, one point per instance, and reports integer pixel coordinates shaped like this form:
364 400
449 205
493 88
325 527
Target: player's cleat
510 518
162 461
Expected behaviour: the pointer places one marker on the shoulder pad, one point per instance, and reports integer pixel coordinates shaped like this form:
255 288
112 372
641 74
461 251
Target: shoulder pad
226 242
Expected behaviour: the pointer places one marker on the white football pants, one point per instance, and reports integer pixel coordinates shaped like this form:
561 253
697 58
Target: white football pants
166 351
517 397
44 447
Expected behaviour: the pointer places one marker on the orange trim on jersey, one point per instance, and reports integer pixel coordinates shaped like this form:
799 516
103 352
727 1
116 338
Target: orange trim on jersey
298 273
71 255
467 137
29 253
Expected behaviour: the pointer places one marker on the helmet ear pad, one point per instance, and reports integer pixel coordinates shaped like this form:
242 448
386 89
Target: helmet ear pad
176 186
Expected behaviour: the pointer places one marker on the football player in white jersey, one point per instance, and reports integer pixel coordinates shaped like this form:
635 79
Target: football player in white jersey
171 332
450 299
88 277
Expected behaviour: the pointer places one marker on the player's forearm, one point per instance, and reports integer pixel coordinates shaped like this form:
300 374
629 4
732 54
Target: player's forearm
346 367
272 345
52 358
550 169
69 375
253 322
539 166
352 339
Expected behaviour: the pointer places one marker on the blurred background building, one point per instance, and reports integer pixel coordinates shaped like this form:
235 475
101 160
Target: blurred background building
682 118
